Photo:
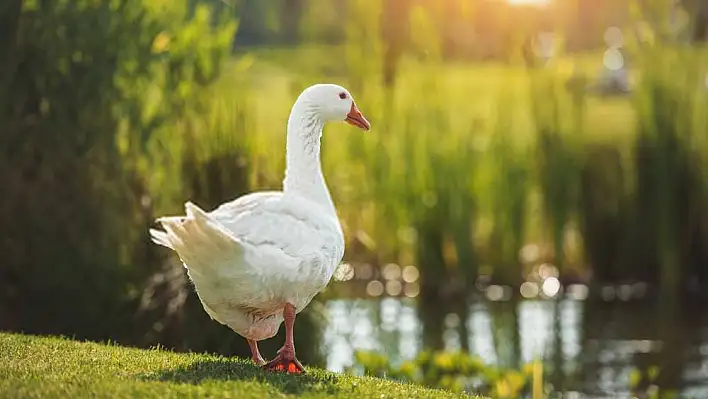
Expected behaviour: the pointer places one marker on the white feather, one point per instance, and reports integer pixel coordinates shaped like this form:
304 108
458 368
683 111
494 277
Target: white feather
251 256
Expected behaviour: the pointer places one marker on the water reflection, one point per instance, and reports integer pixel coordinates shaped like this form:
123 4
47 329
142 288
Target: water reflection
595 350
390 325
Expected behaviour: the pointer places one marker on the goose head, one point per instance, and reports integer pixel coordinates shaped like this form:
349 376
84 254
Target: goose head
334 103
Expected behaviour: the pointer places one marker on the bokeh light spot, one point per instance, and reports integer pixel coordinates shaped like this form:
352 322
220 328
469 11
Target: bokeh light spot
411 290
375 288
393 287
613 60
551 287
410 274
391 271
495 293
344 272
529 290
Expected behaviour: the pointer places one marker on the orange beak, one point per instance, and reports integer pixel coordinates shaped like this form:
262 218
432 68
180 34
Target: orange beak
354 117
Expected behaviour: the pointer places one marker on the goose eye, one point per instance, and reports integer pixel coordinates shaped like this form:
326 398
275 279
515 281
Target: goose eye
342 95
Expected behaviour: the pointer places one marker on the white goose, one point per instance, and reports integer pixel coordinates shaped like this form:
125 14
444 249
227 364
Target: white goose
260 259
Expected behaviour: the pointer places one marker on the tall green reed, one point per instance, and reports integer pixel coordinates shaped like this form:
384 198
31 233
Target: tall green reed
557 116
453 172
670 152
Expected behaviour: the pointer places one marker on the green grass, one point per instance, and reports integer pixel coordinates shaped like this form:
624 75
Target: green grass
39 367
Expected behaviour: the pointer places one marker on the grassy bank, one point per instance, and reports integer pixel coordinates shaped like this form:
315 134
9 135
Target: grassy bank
33 367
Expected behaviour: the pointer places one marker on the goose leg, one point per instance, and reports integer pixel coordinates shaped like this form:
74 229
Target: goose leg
255 353
286 360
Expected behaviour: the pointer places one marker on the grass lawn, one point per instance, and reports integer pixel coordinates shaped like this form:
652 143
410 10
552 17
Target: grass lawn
39 367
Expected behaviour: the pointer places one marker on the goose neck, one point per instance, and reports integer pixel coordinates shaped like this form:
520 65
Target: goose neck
303 171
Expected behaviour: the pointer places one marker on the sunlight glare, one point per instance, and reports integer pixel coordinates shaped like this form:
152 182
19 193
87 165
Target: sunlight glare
529 2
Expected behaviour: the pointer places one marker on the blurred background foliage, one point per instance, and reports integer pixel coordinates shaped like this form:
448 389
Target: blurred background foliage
494 170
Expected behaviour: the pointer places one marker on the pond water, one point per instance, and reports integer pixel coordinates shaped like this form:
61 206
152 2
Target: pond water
590 349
